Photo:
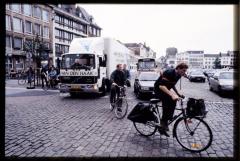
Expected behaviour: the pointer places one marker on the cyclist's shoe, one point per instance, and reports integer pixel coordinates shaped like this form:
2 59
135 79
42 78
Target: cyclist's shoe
111 106
119 109
164 126
163 132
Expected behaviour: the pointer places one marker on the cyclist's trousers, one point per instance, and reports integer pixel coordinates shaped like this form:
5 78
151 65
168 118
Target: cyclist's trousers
168 107
114 90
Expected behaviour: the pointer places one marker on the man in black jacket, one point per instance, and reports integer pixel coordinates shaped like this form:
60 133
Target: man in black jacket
162 89
117 79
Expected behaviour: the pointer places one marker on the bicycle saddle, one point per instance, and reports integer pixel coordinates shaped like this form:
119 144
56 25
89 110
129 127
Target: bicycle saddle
154 100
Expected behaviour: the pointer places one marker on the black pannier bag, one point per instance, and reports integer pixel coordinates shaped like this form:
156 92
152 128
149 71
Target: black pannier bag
141 113
195 107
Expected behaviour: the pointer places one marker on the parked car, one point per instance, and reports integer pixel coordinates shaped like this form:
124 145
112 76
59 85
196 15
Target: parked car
144 83
196 75
222 81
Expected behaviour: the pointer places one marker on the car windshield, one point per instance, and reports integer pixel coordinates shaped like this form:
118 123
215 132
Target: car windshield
85 60
148 76
226 75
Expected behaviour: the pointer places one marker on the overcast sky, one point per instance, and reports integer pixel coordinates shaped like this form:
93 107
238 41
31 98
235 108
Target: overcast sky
186 27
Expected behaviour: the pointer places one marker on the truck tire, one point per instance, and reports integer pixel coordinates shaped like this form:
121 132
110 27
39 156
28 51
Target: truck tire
103 89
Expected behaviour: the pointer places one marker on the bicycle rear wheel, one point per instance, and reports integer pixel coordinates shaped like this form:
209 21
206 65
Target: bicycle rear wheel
121 108
146 129
193 134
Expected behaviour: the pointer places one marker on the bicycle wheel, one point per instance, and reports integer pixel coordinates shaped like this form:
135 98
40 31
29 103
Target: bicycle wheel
193 134
121 107
146 129
22 81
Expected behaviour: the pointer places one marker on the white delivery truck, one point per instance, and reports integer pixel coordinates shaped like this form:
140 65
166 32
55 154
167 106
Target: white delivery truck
99 57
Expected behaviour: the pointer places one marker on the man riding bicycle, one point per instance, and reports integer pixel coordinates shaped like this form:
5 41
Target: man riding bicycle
117 79
162 89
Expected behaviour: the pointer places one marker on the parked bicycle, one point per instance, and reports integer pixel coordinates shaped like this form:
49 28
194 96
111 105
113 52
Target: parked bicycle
51 84
120 103
191 132
22 78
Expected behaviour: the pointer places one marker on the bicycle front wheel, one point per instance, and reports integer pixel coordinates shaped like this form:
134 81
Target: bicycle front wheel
193 134
22 81
121 108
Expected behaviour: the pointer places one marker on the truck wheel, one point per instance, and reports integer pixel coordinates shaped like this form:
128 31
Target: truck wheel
103 88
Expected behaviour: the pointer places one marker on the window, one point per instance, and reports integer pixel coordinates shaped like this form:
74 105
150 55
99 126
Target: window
45 15
8 42
27 9
37 12
17 24
17 43
16 8
8 22
7 6
37 29
28 27
45 32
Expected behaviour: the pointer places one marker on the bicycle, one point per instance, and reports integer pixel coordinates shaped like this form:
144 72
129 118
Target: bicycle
191 132
50 84
120 106
22 78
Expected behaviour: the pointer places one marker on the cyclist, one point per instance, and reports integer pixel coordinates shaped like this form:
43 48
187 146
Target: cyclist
117 78
162 89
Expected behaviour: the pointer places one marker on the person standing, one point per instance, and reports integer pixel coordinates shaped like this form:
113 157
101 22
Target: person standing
30 75
127 75
162 89
44 76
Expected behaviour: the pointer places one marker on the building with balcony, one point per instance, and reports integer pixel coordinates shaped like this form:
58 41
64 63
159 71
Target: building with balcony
23 23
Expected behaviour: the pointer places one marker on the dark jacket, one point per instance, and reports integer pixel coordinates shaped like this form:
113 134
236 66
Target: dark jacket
118 77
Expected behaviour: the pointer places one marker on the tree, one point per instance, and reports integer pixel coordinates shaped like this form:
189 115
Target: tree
217 63
35 47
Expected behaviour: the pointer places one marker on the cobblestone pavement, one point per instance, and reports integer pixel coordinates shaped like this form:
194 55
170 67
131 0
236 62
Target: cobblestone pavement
40 123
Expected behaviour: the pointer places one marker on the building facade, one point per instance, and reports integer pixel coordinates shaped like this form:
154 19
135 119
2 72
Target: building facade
54 25
141 50
194 59
23 23
209 60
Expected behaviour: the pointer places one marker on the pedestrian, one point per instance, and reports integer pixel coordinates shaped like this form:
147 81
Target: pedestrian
127 75
30 75
44 76
162 89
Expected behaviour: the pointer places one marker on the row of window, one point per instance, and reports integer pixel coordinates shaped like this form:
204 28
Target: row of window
60 49
17 42
71 24
64 36
28 27
29 10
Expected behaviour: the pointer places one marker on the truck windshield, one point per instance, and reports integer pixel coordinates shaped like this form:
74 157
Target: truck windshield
78 61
